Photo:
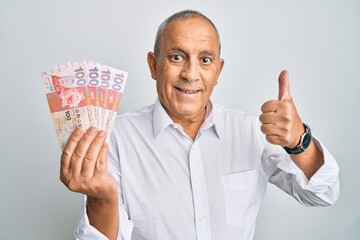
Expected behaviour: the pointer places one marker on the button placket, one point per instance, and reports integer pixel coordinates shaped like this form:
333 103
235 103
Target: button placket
200 197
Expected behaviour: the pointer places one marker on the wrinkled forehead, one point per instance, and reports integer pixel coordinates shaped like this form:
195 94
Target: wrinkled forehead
194 28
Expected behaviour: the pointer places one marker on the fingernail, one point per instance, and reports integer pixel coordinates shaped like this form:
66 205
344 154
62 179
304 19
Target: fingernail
78 131
102 133
92 130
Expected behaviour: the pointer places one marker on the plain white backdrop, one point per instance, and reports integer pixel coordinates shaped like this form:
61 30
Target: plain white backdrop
317 41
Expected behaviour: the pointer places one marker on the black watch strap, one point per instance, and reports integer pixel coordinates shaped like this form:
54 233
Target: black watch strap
305 142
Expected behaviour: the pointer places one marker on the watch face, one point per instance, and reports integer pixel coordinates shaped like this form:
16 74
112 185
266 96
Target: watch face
306 141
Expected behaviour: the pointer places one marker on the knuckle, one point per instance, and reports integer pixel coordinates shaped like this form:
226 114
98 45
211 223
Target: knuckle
263 128
287 119
77 156
261 118
284 127
268 105
66 152
86 137
263 107
89 157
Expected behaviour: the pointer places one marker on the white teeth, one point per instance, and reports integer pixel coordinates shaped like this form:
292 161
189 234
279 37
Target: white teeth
187 92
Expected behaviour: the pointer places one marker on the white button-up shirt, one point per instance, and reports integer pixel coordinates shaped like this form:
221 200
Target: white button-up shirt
171 187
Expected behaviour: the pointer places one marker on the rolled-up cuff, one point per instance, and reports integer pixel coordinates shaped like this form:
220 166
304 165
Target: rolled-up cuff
326 177
84 231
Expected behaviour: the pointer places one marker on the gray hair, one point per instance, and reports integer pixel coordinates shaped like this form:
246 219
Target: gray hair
180 15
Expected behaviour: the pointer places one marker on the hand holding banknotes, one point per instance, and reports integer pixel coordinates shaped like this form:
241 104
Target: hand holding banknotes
84 169
84 165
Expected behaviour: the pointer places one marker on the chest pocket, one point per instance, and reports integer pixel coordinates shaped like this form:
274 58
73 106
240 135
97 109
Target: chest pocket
240 196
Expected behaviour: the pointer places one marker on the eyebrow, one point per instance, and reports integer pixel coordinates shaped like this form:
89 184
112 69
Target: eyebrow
178 50
207 52
204 52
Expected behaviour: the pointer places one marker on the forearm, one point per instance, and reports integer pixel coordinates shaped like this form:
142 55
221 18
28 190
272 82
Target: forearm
104 216
309 161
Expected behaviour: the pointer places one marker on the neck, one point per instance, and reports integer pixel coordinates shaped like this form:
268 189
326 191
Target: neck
191 125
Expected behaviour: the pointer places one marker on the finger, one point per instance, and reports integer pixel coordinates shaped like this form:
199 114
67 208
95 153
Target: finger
269 129
88 165
274 139
81 149
102 161
268 117
69 149
270 106
284 86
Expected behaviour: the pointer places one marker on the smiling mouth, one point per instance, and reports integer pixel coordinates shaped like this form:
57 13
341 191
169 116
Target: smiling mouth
187 91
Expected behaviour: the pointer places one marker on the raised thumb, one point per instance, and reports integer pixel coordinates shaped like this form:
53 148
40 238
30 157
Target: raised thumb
284 86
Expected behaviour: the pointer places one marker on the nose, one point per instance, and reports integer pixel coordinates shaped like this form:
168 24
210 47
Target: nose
191 71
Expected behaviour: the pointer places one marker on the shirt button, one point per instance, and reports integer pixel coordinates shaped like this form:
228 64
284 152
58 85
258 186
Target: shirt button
197 182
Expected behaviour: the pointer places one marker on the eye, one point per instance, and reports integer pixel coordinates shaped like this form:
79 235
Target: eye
206 60
176 57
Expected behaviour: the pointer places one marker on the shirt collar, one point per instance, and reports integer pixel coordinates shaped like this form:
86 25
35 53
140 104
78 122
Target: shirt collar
161 119
211 121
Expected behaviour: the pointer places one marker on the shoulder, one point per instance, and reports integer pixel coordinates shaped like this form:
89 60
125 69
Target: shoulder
235 122
230 114
134 114
239 127
134 118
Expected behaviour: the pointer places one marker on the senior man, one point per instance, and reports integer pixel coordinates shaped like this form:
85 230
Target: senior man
185 168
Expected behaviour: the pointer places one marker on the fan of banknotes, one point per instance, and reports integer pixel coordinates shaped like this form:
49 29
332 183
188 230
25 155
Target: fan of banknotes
81 95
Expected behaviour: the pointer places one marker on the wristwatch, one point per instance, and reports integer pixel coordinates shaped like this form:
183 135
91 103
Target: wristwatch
305 142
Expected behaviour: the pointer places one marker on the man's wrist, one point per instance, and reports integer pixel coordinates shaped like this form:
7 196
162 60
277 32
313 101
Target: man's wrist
305 142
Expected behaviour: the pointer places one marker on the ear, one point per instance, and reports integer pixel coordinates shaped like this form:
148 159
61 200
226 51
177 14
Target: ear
151 60
219 68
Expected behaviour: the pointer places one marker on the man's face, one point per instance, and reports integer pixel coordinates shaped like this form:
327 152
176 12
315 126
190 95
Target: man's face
187 68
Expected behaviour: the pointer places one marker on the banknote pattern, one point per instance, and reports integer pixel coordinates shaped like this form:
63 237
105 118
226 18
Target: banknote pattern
81 95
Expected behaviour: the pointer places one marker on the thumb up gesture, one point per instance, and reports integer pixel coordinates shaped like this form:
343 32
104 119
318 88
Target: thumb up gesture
280 121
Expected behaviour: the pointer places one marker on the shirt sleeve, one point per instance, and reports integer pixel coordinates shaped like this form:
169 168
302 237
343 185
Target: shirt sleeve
321 190
83 229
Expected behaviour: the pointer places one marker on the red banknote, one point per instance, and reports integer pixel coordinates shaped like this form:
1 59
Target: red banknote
83 95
